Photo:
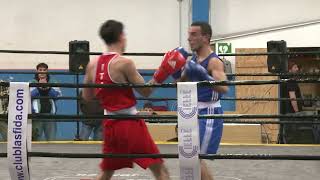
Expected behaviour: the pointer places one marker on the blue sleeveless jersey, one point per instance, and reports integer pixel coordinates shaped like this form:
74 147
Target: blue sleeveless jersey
206 94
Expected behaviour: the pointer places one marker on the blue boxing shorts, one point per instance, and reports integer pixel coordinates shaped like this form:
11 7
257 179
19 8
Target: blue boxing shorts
210 130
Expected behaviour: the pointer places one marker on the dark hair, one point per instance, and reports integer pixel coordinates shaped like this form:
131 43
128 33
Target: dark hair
291 64
43 65
147 104
205 28
110 31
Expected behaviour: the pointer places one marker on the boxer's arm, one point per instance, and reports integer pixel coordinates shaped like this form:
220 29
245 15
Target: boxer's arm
133 76
292 96
88 93
216 68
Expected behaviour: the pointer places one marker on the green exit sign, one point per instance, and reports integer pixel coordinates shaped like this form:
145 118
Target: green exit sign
224 48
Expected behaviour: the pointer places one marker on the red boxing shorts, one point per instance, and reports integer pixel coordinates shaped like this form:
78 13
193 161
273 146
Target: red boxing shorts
127 137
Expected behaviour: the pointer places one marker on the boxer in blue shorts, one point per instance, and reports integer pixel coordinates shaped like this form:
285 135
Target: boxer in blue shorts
205 65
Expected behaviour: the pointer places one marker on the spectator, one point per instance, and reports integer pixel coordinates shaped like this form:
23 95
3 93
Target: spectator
294 133
148 110
3 110
148 107
3 131
44 105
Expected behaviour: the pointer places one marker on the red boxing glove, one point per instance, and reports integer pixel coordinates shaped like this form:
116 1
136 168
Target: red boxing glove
172 62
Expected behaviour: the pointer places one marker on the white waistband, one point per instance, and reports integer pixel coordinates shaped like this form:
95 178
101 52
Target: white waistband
129 111
212 104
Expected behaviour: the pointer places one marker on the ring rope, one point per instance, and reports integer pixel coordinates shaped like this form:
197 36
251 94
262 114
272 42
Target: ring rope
158 54
228 99
151 74
201 156
175 121
272 53
173 118
167 85
263 74
174 99
209 116
67 52
50 72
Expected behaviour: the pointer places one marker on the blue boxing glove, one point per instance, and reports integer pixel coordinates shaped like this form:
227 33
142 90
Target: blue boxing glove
195 72
185 54
177 74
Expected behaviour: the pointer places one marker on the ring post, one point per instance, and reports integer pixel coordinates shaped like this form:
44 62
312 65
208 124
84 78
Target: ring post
78 111
19 140
188 131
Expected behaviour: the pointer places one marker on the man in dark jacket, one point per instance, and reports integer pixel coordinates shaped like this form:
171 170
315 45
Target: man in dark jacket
44 106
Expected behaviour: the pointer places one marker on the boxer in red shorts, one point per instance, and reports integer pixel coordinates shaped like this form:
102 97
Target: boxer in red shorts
125 136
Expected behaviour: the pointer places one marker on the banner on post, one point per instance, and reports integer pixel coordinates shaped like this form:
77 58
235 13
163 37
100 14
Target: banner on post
188 131
18 136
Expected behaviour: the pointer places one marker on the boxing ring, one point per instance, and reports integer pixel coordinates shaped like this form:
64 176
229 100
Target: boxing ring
71 160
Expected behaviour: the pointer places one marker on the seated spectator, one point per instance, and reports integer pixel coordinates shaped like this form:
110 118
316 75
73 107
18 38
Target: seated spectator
148 107
148 110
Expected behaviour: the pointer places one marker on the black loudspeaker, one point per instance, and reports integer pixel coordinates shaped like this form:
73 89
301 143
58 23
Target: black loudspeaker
78 56
277 63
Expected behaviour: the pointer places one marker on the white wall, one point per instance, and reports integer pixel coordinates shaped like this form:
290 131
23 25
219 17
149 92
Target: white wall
151 26
305 36
229 17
